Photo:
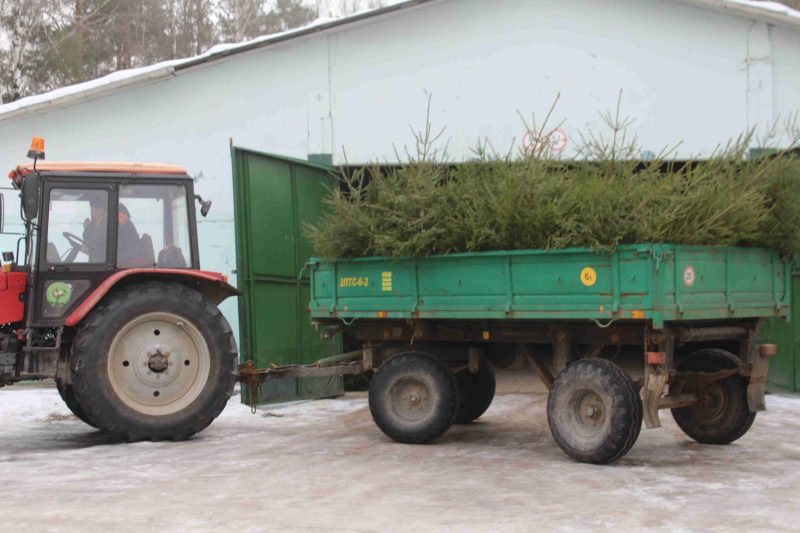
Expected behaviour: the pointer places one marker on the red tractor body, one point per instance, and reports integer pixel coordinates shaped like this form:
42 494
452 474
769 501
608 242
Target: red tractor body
12 291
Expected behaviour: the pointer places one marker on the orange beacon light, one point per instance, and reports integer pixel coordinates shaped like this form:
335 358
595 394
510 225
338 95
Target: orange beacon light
37 148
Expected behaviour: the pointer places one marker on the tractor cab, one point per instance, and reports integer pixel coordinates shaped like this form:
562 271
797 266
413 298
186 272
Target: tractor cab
88 221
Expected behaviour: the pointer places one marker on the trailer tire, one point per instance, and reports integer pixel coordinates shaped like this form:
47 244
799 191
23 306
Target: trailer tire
68 395
594 411
476 392
727 417
129 387
413 398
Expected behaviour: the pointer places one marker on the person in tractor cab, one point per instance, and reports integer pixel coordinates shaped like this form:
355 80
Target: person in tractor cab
94 231
129 248
94 235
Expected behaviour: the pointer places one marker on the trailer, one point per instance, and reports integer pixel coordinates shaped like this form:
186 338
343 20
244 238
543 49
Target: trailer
432 329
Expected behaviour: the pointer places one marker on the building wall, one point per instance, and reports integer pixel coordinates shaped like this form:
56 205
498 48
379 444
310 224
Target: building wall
681 72
685 73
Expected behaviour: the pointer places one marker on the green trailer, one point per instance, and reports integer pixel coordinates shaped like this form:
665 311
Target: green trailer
432 329
657 283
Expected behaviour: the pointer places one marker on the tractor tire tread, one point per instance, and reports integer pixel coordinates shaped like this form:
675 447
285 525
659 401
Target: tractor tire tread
68 395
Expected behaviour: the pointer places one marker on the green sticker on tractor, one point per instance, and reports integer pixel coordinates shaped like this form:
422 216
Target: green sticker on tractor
59 294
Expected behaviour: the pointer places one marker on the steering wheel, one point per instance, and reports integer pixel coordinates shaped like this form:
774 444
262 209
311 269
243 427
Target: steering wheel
73 240
77 245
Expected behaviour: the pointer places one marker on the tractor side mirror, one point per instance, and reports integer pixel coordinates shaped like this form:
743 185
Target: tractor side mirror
30 196
205 205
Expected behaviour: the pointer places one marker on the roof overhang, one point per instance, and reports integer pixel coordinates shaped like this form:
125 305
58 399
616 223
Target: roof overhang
140 76
82 91
769 12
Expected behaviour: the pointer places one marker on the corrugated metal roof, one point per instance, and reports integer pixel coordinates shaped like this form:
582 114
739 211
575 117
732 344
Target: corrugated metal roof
770 12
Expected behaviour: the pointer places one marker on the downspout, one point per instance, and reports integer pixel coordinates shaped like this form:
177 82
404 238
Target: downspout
760 96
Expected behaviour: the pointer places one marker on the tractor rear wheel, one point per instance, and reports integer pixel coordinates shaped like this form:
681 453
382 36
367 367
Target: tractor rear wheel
68 395
154 361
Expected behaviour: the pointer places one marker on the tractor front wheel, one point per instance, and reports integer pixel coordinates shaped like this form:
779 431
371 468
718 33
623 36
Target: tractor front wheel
153 362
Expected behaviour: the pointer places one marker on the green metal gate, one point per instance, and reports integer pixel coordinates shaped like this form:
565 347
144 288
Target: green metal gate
784 368
273 197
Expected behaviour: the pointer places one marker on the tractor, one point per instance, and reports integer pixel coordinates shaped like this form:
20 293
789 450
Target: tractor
105 295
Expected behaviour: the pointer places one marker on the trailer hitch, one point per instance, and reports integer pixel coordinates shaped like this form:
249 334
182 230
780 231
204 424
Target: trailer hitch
337 365
250 376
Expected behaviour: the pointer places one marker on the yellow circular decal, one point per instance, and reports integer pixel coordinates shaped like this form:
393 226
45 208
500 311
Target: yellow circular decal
588 276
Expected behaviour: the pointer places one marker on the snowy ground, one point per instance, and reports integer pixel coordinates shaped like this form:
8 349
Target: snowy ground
324 466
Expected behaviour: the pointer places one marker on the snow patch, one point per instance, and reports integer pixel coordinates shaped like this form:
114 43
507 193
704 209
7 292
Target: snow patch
775 7
32 406
323 466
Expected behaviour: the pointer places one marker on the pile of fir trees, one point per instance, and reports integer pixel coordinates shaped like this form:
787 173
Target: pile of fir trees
601 199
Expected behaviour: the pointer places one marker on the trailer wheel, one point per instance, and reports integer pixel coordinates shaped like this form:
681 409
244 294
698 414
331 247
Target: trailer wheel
594 411
154 361
725 416
68 395
413 398
476 392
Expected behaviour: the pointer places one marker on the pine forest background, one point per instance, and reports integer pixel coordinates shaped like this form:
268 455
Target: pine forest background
46 44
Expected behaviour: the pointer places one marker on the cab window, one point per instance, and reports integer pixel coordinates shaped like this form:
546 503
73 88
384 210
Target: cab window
77 226
153 229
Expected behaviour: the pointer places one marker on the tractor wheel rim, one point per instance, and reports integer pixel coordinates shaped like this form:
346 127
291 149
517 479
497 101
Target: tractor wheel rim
158 364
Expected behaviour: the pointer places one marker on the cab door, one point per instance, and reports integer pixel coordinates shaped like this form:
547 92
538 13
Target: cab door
76 249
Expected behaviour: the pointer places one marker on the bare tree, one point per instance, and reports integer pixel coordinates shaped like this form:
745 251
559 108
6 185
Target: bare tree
246 19
341 8
20 21
238 19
